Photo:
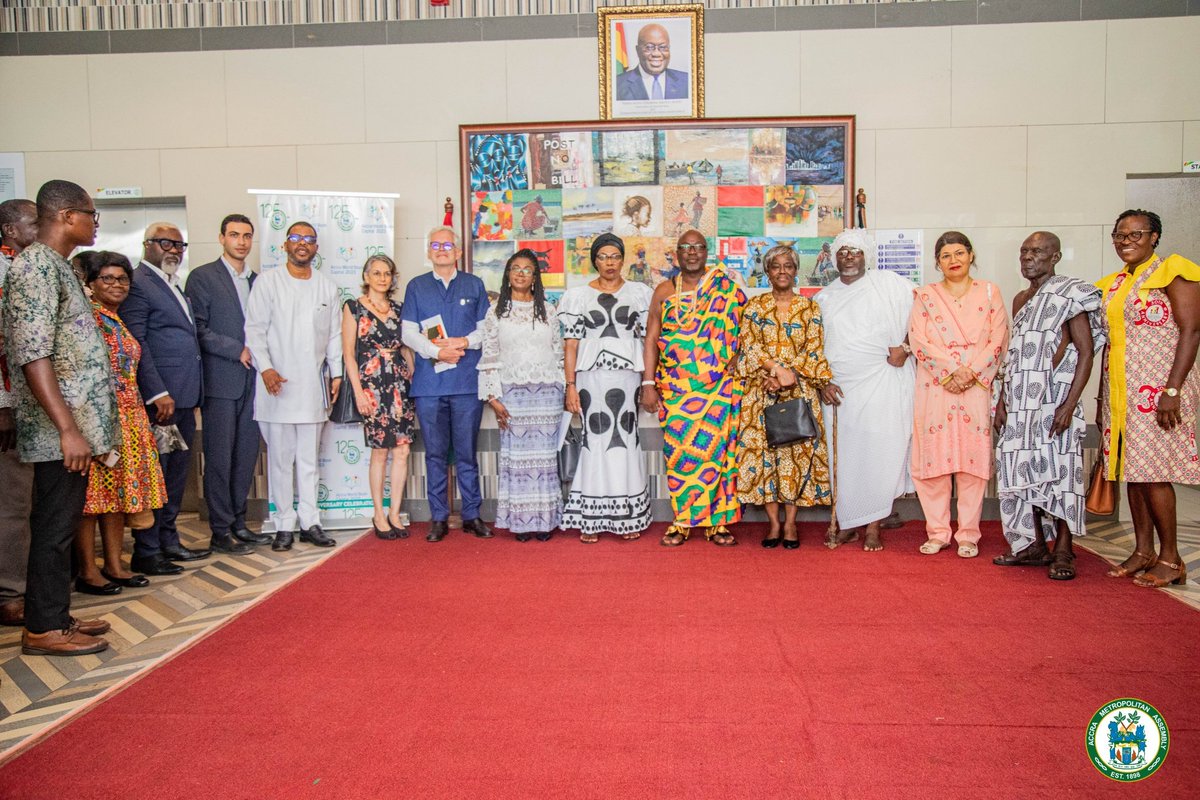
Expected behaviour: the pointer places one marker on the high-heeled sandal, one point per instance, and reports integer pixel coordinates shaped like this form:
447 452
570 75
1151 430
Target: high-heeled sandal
1124 569
1154 582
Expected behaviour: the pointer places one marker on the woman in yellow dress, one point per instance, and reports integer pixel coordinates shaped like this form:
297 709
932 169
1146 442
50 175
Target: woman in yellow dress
1149 391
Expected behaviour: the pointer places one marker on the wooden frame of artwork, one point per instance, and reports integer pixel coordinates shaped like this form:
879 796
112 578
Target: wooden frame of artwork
651 61
746 184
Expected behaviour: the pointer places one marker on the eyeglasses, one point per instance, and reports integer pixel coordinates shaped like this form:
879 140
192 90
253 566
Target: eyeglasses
655 48
296 238
1132 236
445 247
521 271
849 251
169 244
93 212
610 257
114 280
694 248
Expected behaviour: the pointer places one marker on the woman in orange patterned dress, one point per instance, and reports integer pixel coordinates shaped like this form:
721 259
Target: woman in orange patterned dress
134 484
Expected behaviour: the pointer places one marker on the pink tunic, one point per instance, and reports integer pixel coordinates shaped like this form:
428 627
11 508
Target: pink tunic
953 432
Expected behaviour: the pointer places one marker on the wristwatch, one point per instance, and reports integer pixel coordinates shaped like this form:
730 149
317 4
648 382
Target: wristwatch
1171 391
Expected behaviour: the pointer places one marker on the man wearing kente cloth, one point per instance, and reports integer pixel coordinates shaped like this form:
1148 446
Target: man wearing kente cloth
1057 328
691 344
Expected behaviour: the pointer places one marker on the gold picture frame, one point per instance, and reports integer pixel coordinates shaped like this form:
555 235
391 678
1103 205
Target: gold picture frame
636 81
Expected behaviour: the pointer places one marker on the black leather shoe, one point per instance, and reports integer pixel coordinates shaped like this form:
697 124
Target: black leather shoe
132 582
283 540
791 544
315 535
86 588
154 565
181 553
477 527
437 530
769 542
250 537
524 537
544 536
230 545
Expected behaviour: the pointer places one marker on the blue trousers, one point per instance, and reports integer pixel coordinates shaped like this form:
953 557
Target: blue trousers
450 421
175 466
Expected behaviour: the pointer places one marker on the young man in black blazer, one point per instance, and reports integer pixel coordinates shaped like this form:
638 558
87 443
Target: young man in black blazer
218 292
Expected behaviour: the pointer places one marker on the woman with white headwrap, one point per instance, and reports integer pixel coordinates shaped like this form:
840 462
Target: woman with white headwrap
866 328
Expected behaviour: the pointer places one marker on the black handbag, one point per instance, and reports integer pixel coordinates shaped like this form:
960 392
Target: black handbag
345 410
568 454
789 422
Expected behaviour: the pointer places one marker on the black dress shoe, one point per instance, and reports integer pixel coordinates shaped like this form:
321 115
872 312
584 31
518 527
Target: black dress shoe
86 588
250 537
181 553
388 533
771 542
437 530
791 544
283 541
477 527
315 535
132 582
230 545
154 565
544 536
524 537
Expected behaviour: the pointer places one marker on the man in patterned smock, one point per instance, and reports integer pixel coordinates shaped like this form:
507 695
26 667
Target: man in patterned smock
691 341
1039 422
66 409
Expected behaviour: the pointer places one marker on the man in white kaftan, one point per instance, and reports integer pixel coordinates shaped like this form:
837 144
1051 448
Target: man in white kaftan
865 313
1057 328
293 329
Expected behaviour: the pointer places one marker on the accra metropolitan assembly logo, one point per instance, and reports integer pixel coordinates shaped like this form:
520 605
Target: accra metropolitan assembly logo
1127 740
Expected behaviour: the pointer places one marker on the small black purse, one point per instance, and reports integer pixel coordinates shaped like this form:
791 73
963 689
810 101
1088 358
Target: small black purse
568 455
789 422
345 410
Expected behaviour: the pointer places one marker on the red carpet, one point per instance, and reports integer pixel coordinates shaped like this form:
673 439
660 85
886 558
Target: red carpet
475 669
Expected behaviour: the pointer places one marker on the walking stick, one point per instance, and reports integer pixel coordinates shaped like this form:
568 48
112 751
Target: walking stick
831 533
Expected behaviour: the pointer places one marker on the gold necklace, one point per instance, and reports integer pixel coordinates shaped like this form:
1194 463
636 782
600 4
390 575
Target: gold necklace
378 312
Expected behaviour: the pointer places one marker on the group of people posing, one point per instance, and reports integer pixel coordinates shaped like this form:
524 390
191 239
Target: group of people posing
108 364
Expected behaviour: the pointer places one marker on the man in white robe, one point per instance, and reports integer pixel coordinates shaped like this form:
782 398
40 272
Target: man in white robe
865 313
293 328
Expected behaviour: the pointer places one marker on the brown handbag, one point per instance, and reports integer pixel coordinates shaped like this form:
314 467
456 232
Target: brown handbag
1101 493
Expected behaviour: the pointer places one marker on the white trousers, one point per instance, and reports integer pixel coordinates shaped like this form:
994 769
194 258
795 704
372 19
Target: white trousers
292 472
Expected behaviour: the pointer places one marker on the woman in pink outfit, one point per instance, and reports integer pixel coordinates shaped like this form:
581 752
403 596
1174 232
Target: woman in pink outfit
958 331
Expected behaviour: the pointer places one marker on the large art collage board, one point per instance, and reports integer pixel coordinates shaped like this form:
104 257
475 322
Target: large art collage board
746 184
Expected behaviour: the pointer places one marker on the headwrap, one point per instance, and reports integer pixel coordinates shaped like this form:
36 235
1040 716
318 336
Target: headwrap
604 240
859 239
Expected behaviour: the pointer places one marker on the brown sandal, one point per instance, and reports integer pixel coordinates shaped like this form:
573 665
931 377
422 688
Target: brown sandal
1063 566
1124 569
675 536
1154 582
720 536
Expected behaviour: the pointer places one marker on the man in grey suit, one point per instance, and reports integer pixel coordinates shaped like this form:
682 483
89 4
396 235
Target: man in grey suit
651 79
218 292
169 378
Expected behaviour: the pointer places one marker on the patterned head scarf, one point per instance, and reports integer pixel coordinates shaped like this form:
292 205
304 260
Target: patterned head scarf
603 240
857 238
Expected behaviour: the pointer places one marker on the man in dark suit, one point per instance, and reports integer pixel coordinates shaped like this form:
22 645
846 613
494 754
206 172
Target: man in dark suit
651 80
218 293
169 378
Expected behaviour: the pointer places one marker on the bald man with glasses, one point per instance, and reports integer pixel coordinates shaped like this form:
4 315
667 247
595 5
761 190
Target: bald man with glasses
171 382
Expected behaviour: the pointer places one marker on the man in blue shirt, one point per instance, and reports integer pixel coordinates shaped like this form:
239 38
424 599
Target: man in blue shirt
441 321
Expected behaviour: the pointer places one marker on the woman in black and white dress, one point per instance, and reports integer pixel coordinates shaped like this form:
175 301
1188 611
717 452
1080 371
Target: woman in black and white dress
604 323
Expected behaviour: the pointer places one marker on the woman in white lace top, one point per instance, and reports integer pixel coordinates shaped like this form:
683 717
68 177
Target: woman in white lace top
521 378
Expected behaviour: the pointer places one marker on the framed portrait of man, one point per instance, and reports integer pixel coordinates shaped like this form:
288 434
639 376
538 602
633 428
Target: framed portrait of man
651 61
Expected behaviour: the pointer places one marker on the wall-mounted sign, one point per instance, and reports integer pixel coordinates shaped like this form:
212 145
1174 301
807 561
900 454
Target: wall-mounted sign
117 193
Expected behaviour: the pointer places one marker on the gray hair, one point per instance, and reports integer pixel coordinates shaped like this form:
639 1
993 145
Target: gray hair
779 250
155 227
446 229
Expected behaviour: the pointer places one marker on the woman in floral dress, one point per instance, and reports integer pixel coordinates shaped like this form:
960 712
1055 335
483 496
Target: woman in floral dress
379 369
